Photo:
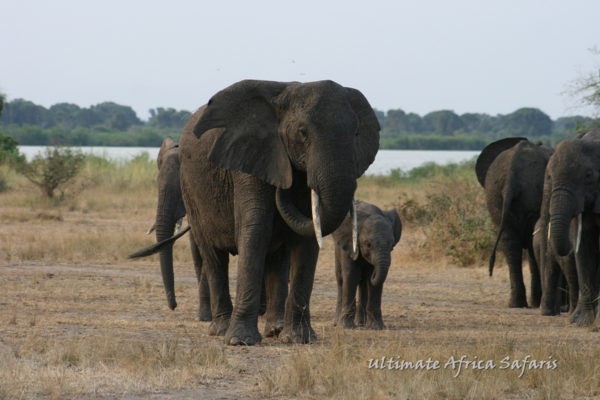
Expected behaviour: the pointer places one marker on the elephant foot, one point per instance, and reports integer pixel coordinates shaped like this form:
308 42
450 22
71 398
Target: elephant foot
347 322
273 328
300 334
242 332
583 317
534 302
360 318
218 326
548 311
375 324
517 302
204 314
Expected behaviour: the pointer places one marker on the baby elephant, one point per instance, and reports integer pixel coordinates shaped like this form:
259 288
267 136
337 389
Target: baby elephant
365 267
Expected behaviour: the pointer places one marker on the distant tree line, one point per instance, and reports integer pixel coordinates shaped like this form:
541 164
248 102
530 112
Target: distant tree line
111 124
444 129
104 124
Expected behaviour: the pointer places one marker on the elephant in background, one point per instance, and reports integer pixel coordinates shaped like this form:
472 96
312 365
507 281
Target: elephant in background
565 264
511 171
257 162
169 213
365 266
572 191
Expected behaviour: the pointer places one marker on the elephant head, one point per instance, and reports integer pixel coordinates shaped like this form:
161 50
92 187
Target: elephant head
377 236
572 186
169 212
327 132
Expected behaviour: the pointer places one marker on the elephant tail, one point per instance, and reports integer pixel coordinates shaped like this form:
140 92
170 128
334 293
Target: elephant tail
493 256
157 247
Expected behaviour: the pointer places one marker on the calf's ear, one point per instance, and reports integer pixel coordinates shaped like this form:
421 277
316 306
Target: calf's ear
394 218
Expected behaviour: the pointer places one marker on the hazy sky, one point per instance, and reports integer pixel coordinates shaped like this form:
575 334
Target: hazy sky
421 56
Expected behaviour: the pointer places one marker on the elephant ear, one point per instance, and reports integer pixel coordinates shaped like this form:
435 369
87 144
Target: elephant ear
393 216
489 154
366 142
167 145
250 142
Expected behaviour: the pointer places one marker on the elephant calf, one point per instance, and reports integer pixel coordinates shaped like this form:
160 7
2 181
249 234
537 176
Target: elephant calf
365 266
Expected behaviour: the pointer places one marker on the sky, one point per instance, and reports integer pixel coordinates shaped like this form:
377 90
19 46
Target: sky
463 55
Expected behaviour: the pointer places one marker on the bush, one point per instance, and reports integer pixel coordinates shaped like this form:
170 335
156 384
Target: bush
53 170
451 212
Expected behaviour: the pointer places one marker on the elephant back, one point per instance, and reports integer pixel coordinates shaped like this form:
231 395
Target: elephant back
489 154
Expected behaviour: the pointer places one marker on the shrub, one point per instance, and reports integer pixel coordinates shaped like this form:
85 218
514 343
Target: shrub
53 170
451 212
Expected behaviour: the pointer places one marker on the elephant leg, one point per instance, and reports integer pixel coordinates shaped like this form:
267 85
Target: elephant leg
550 303
254 210
351 277
204 313
536 283
304 252
215 264
339 281
514 256
276 283
587 265
263 300
374 318
361 308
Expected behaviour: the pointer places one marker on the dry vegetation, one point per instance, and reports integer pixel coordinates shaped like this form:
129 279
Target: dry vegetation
78 320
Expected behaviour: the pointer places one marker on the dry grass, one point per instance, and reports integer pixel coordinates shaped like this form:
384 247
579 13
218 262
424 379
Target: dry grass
78 320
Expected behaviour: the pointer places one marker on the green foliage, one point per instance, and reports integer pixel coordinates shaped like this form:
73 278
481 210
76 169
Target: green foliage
168 118
9 152
53 170
450 210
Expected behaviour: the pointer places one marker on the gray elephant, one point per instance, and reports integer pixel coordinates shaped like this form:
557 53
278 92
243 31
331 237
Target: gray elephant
572 191
257 162
169 213
512 173
566 293
364 266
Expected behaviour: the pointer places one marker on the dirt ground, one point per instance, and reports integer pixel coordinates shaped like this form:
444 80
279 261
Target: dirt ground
73 327
435 305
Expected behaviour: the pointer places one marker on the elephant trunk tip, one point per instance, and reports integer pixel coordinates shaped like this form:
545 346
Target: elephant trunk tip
171 301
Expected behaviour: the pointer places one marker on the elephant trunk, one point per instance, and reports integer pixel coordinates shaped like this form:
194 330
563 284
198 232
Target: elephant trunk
333 193
169 211
561 213
380 269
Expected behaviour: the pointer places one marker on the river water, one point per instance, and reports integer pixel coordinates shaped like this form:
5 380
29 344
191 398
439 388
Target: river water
385 161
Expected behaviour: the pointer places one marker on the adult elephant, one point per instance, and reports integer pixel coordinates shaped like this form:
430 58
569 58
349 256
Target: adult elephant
256 161
170 211
511 171
572 191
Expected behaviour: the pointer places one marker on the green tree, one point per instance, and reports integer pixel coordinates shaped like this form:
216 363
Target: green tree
9 152
527 122
53 170
168 118
443 122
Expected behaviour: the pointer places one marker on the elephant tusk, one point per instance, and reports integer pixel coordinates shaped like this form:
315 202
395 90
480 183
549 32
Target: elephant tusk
178 225
151 229
314 198
549 229
579 223
354 227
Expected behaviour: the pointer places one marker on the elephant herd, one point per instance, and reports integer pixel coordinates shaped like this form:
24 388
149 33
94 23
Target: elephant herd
265 169
547 201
